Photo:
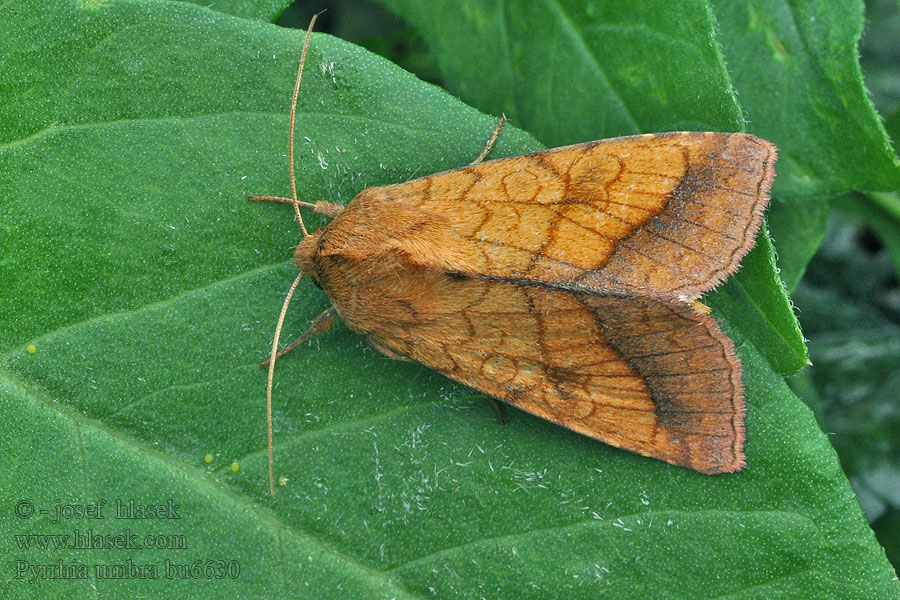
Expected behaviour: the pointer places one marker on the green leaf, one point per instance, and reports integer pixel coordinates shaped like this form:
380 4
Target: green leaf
264 10
149 288
795 64
578 71
880 55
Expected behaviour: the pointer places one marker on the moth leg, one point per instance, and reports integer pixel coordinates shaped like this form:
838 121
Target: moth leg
498 408
321 324
329 209
491 142
387 350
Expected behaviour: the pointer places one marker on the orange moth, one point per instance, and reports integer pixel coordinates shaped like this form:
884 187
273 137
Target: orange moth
563 282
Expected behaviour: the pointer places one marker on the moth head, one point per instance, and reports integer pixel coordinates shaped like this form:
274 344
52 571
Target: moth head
304 256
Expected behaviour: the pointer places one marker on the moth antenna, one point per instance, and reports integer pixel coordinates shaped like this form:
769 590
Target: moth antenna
295 202
293 114
271 376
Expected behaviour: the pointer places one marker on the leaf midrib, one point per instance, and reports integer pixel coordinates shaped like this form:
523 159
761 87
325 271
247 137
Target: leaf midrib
53 129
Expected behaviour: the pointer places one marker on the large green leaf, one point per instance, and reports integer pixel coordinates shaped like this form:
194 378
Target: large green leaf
577 71
149 288
795 63
880 55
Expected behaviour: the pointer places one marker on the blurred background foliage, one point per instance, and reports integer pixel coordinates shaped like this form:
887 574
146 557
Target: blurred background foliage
848 301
